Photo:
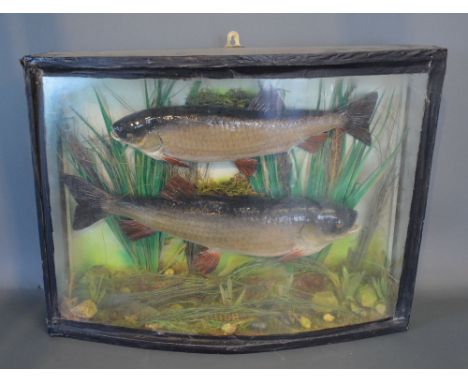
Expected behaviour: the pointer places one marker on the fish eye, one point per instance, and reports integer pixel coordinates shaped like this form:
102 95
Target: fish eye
328 221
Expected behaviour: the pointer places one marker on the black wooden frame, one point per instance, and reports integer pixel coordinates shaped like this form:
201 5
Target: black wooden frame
221 64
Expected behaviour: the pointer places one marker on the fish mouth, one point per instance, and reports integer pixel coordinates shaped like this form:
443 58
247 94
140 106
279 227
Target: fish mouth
115 136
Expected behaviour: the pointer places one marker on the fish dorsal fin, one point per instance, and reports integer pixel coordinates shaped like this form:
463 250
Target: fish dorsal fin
178 188
268 100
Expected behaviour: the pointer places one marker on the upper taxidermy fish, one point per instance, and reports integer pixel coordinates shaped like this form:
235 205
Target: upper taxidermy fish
208 134
249 225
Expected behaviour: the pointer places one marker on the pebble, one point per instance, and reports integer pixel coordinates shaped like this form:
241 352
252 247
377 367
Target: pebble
381 308
85 310
367 296
305 322
229 328
152 326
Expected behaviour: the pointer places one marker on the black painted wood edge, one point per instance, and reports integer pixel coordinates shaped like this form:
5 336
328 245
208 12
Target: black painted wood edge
33 81
421 185
221 345
361 55
280 65
431 61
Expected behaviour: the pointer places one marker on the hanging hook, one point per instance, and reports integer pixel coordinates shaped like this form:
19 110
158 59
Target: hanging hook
233 40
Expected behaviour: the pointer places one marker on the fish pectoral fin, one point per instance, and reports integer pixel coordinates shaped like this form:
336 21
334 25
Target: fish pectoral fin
174 161
206 261
178 188
313 143
246 166
293 254
135 230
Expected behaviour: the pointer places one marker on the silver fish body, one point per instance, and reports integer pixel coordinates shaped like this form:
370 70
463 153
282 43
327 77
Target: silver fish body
253 226
208 138
204 134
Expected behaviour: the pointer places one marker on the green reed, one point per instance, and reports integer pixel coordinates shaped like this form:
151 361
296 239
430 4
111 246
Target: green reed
260 290
271 178
337 171
108 164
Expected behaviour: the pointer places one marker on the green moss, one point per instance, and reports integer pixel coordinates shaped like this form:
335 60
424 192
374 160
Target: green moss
232 98
235 186
338 252
325 301
256 297
231 261
366 296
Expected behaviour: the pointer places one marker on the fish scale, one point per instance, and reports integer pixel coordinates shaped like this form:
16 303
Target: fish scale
234 139
250 225
240 233
209 134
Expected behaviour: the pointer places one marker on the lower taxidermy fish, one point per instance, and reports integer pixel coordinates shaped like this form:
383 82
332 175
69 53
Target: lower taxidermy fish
249 225
210 134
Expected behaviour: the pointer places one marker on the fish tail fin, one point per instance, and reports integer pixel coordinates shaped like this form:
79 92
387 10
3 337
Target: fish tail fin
358 114
92 202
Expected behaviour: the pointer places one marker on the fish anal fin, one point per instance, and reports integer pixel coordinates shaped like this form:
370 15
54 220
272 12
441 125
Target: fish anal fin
178 188
174 161
313 144
206 261
246 166
134 230
293 254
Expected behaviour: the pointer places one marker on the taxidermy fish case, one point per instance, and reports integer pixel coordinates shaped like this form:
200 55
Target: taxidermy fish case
232 200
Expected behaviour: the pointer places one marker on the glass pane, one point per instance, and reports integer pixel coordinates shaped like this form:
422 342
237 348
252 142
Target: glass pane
285 211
